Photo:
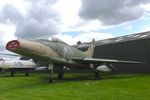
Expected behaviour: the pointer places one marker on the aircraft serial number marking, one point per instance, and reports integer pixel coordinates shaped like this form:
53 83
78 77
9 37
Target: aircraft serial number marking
18 64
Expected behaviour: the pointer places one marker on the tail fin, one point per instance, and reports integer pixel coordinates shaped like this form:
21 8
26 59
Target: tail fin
90 51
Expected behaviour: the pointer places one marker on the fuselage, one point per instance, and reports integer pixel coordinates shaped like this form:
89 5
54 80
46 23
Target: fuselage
55 52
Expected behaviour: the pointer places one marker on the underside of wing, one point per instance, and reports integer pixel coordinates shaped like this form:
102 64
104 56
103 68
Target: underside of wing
97 61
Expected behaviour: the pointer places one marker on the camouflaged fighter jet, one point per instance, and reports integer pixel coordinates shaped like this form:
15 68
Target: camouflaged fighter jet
55 52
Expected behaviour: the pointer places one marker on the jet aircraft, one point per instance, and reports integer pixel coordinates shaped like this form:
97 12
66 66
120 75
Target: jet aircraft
13 65
54 52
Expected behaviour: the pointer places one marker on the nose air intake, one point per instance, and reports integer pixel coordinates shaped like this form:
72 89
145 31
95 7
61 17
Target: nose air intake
13 45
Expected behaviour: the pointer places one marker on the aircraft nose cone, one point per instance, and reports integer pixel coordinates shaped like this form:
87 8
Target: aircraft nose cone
13 45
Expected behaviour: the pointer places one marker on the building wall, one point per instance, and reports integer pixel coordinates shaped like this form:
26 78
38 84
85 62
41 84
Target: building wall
135 50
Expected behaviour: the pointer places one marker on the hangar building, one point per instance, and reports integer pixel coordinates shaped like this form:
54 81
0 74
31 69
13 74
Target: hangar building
134 47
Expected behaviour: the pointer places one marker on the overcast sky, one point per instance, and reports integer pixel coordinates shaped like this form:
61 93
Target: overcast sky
72 20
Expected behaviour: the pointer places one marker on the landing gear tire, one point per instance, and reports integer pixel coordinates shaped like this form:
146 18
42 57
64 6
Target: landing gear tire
97 75
27 73
60 72
51 81
11 73
60 75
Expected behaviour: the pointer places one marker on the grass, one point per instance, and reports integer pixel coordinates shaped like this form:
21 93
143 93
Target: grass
75 87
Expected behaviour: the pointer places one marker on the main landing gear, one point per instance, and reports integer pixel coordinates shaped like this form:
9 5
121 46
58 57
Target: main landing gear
12 73
61 72
96 74
26 73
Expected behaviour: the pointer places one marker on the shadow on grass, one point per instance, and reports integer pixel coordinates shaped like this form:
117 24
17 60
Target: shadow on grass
91 77
77 76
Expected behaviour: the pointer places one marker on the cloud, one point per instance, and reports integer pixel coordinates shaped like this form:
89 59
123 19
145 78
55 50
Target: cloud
146 16
68 10
6 32
38 19
1 41
112 12
84 37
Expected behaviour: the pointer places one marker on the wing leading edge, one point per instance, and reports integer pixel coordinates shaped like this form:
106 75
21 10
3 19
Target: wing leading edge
97 60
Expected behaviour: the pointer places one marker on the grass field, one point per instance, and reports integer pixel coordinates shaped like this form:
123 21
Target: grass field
75 87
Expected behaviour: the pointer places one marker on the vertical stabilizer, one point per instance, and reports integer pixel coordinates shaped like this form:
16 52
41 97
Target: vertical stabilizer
90 51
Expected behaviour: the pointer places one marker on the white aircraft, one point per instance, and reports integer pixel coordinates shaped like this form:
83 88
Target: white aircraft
12 65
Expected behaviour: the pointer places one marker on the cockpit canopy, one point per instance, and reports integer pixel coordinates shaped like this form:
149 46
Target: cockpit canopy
51 39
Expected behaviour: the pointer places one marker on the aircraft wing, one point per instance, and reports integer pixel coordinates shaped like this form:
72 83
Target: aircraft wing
10 54
97 61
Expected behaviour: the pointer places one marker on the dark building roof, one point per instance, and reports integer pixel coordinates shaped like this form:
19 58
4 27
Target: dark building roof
119 39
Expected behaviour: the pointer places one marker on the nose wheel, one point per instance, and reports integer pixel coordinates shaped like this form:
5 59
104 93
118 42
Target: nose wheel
51 79
50 68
